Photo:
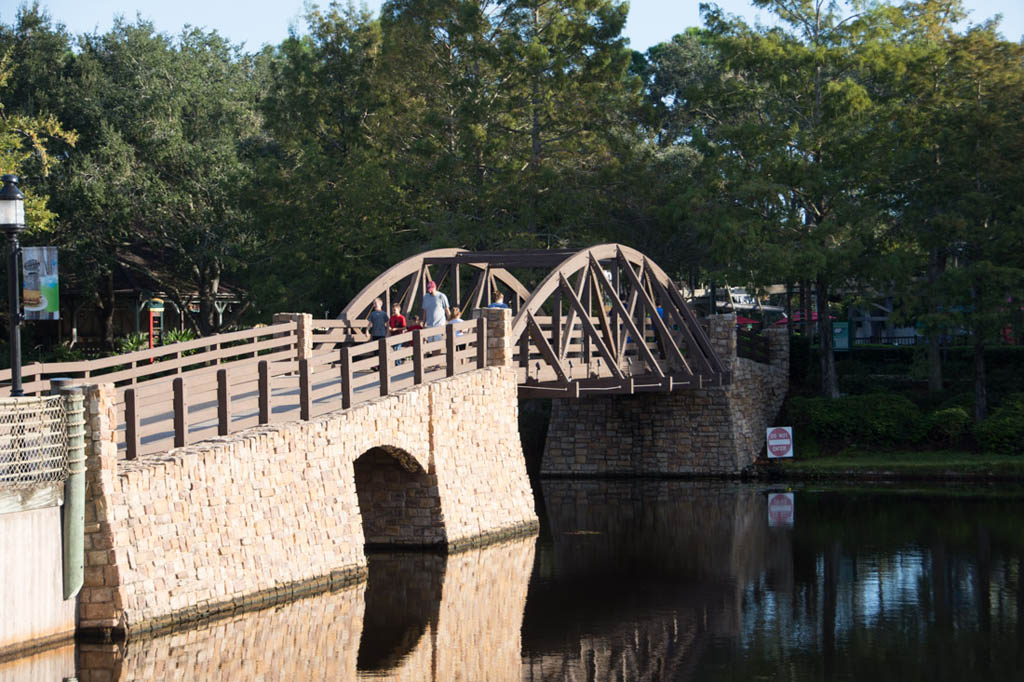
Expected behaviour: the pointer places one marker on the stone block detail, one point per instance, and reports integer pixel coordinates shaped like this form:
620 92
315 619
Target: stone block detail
201 529
722 334
499 336
711 431
304 347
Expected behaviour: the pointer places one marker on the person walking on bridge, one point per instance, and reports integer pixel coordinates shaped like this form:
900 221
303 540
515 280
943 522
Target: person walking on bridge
378 321
435 307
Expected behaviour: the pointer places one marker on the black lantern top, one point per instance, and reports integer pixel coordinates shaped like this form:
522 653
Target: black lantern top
12 205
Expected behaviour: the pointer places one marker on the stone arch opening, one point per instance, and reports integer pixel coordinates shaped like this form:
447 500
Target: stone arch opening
400 502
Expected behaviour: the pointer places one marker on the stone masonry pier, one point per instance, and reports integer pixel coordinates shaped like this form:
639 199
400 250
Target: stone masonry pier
711 431
284 509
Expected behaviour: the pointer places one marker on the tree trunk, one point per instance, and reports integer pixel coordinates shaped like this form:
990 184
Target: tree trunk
935 269
980 400
827 358
536 147
934 363
789 311
209 285
806 324
106 308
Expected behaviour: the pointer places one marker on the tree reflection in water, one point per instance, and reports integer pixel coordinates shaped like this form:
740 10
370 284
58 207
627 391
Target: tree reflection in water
690 582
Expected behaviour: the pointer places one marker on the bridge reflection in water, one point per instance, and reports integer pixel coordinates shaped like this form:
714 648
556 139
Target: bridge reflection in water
647 581
633 580
639 577
420 616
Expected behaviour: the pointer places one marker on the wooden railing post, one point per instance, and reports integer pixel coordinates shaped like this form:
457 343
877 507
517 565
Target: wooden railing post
131 425
417 356
223 403
449 350
346 377
180 413
305 402
481 342
383 363
264 392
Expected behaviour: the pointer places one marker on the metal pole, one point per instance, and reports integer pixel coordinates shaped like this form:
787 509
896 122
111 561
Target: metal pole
74 489
13 251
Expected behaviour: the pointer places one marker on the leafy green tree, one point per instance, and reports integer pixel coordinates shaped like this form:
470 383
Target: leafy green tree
569 93
33 55
160 171
784 189
330 212
957 181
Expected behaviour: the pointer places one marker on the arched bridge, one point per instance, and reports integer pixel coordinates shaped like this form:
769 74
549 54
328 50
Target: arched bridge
602 320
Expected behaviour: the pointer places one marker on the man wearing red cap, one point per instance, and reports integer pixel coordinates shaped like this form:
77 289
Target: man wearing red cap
435 307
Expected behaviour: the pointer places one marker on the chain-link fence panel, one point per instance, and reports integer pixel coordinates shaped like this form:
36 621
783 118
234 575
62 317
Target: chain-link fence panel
33 441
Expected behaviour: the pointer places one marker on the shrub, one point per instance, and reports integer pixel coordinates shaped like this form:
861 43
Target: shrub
1003 431
964 400
177 336
879 419
64 353
949 426
131 343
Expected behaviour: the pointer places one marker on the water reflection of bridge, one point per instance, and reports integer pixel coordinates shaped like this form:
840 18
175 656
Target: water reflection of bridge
420 617
637 578
649 571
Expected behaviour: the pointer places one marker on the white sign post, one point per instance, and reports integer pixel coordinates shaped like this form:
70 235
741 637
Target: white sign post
780 442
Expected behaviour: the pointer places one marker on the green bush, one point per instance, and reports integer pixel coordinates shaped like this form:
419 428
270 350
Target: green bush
131 343
177 336
879 419
63 353
949 426
1013 400
1003 432
963 400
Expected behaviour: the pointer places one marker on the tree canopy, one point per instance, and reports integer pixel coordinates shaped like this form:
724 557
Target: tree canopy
850 148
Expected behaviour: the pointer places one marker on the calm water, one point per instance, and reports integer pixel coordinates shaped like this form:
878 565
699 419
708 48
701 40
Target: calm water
654 580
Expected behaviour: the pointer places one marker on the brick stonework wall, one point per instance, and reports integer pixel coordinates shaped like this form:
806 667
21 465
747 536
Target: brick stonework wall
712 431
269 512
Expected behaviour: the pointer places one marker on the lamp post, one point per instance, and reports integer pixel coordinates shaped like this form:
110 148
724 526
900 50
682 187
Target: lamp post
12 222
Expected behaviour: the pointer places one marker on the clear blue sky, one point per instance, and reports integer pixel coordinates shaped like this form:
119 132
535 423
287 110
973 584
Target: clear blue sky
264 21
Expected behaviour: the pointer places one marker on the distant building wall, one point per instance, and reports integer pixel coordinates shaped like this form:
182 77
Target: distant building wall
34 456
710 431
33 610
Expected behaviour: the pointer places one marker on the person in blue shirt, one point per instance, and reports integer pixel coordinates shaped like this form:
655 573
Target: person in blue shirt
378 320
499 301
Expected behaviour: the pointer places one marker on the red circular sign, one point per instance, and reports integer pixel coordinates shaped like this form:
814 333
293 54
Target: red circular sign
780 443
780 509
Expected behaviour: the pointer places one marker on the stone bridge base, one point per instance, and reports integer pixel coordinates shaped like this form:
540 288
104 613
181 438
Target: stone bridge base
285 509
713 431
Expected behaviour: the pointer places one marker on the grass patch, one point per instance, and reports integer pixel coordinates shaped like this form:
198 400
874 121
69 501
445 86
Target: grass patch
924 464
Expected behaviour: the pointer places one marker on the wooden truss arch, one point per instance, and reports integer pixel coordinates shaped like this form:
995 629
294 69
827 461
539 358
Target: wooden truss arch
405 282
607 319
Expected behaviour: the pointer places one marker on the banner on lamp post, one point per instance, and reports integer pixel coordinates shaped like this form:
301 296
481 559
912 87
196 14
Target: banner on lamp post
40 290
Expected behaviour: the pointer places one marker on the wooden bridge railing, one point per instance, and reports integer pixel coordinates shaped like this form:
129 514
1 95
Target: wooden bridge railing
752 345
186 392
156 363
331 378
